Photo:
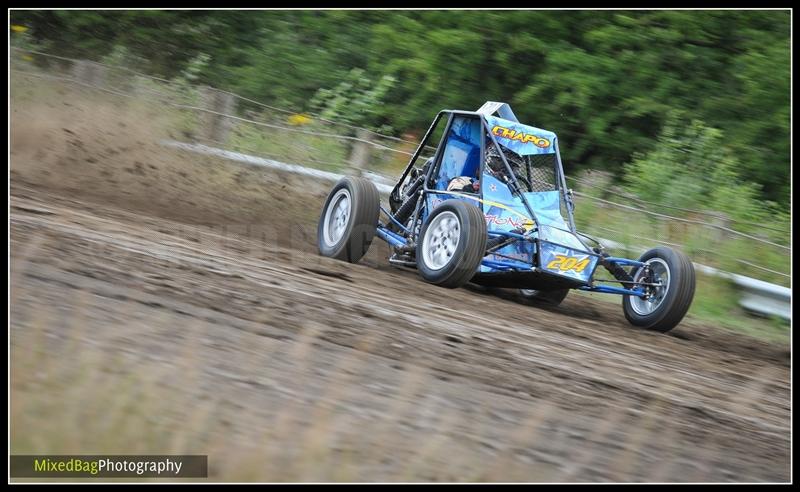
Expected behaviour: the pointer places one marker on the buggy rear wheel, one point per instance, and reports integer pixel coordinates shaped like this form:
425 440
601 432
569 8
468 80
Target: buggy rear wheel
349 219
669 299
452 244
552 297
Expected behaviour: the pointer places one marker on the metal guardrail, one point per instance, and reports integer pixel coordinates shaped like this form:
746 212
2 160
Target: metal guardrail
757 296
764 298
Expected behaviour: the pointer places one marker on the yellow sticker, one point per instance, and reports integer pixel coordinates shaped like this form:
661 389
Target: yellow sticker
566 263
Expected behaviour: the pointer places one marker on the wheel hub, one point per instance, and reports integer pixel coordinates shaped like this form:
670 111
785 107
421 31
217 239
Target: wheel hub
336 217
441 240
655 272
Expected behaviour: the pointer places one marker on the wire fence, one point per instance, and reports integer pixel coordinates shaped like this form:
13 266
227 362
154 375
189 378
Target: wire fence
168 95
234 122
644 203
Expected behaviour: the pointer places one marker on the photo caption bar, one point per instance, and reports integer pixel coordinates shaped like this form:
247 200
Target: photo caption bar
96 466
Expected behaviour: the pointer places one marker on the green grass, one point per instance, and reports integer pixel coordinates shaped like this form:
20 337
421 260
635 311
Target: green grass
298 148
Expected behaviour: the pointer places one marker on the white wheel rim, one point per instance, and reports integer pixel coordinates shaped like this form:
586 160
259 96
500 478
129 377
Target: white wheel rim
529 292
441 240
660 274
337 216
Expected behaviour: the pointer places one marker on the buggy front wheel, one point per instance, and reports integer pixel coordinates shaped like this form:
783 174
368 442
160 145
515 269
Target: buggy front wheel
670 283
452 244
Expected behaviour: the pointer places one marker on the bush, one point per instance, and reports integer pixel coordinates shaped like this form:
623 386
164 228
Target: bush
692 167
355 100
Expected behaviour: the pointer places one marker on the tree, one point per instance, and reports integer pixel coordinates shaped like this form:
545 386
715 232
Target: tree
604 81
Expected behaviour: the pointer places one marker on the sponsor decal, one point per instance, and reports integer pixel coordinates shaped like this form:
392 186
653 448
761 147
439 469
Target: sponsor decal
511 134
508 220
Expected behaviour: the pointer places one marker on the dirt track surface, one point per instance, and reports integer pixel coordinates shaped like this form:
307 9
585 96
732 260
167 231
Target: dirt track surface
357 372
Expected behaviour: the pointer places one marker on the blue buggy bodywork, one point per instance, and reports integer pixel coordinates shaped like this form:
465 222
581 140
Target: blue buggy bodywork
541 248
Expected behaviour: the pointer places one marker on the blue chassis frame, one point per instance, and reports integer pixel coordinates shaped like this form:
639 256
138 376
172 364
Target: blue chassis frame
399 241
396 240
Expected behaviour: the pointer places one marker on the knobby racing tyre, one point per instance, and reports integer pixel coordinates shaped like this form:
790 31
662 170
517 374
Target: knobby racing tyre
544 297
669 302
349 219
451 244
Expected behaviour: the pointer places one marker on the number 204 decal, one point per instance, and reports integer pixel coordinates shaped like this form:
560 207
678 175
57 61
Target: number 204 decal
566 263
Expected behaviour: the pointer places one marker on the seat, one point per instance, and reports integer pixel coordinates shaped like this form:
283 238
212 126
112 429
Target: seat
461 158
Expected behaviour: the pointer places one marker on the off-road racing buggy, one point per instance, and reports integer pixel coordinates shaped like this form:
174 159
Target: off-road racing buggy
491 206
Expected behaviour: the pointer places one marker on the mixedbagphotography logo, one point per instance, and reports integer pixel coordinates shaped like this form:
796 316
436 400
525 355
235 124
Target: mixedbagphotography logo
161 466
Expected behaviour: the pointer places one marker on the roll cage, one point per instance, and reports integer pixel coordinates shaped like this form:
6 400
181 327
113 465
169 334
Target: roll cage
487 138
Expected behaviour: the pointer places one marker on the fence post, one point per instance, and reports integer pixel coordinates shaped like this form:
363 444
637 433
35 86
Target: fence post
360 153
217 127
89 72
